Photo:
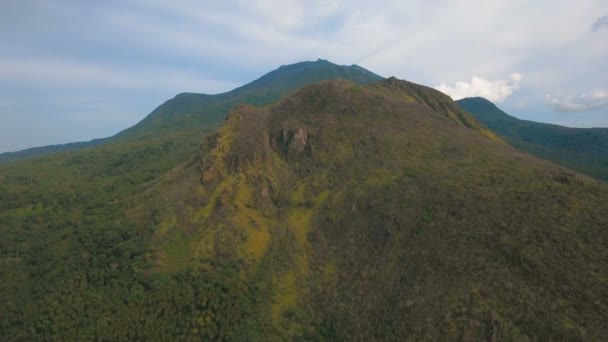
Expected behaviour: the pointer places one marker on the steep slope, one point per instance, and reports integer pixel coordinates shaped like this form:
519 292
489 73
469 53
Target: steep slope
385 213
582 149
342 212
189 114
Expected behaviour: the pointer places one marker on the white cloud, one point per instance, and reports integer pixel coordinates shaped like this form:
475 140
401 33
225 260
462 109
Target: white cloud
495 91
58 73
589 100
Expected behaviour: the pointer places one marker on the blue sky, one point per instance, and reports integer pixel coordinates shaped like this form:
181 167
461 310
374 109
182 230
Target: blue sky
73 70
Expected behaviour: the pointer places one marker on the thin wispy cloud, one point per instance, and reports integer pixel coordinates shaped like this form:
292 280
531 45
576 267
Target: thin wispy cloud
70 74
590 100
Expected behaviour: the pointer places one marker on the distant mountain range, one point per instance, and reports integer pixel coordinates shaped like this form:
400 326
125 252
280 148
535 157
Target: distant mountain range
581 149
43 150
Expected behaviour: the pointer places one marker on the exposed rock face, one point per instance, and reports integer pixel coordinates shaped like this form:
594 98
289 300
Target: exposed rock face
298 141
265 192
291 142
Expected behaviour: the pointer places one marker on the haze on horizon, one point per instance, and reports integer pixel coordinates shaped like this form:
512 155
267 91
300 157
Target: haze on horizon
71 71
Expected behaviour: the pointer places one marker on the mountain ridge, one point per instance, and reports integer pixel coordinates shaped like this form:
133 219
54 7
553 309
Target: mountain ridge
169 115
582 149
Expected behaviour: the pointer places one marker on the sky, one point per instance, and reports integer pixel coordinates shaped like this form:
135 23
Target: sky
74 70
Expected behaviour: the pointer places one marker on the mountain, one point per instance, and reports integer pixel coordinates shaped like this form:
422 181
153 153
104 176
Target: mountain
582 149
340 212
189 113
43 150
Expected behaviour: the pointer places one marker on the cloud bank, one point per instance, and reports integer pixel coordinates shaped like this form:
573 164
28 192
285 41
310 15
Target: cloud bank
589 100
495 91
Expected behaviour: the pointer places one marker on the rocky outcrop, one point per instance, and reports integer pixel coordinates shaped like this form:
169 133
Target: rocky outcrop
291 142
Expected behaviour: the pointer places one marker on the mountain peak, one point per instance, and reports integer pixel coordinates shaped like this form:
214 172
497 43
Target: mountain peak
484 106
191 111
298 74
477 100
319 61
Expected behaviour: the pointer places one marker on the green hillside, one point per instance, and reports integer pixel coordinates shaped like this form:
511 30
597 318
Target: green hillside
581 149
341 212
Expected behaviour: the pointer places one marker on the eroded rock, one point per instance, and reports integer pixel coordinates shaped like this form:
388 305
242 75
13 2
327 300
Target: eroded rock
291 142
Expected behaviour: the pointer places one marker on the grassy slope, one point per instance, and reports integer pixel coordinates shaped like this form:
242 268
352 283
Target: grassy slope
582 149
400 217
